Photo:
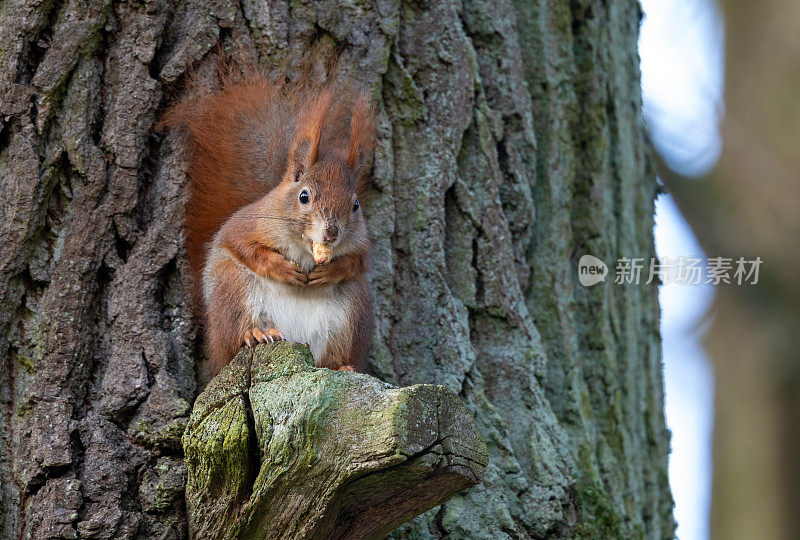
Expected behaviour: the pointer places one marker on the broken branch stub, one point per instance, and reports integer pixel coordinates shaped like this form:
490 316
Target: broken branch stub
277 448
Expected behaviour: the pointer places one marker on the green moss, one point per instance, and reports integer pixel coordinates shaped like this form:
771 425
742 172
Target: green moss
612 421
163 435
141 428
26 362
159 489
408 104
598 518
24 409
284 360
216 452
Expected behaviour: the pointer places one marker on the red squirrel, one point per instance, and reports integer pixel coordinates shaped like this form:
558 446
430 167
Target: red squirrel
275 232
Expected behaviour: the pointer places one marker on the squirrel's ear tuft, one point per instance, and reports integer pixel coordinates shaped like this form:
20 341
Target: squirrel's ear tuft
362 129
300 158
305 147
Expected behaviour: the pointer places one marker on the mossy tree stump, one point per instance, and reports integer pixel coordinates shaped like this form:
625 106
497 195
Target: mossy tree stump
277 448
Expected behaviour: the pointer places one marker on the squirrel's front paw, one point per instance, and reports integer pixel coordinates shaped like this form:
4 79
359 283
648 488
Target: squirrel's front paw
325 274
256 335
319 277
280 268
341 269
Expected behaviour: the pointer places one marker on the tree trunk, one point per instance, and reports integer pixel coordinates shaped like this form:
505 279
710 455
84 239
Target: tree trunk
510 144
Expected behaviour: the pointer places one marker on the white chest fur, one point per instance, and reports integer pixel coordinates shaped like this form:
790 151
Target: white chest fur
302 315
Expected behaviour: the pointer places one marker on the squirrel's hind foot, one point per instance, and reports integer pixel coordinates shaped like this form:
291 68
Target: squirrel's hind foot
256 335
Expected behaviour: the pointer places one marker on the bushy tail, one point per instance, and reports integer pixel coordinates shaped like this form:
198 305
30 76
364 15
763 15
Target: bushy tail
238 141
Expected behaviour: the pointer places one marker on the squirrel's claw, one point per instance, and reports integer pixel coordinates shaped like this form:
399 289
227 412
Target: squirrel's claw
249 339
259 335
282 269
274 335
270 335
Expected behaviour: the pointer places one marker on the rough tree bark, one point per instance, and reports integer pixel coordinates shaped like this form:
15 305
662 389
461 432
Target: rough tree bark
510 143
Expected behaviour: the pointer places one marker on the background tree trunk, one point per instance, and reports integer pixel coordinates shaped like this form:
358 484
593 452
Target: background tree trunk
749 206
510 144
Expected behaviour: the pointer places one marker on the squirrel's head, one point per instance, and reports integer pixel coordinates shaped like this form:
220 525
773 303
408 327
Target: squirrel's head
321 184
324 207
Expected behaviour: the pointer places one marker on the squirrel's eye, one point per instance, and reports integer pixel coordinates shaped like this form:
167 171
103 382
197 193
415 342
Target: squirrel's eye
304 198
355 205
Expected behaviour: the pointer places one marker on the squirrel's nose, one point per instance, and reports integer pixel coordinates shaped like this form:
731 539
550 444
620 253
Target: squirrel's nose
331 232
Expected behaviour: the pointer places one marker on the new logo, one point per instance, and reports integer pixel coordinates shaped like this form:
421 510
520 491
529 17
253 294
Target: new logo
591 270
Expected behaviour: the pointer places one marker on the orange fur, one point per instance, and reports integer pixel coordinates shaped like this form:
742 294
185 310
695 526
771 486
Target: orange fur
310 124
228 319
249 249
348 348
362 128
